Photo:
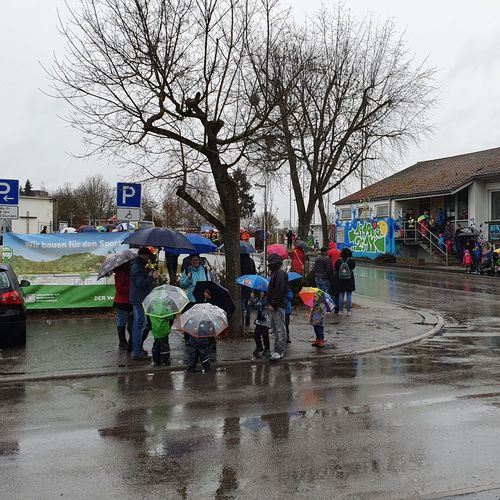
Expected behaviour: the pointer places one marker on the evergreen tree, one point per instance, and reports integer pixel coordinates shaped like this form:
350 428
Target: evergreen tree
28 188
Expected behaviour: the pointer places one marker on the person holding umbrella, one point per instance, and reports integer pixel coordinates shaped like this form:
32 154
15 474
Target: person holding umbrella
141 284
247 267
119 264
277 295
122 306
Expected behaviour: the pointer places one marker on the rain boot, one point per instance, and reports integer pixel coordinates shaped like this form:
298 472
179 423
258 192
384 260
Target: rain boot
145 334
123 344
130 324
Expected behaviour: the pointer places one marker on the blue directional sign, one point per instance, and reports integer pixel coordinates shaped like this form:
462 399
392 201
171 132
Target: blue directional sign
9 192
128 195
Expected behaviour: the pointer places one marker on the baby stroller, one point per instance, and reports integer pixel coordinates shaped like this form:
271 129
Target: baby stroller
486 263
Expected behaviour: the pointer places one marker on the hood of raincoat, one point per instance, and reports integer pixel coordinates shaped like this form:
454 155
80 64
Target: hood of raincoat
274 261
332 245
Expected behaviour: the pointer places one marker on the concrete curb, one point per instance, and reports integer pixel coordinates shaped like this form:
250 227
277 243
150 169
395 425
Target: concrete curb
437 328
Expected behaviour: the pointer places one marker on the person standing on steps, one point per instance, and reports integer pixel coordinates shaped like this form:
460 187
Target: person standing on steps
141 283
277 294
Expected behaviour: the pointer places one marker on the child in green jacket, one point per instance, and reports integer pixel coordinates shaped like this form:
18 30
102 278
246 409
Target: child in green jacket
160 329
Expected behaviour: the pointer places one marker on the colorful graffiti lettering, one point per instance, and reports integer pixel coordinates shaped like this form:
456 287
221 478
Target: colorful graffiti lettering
368 237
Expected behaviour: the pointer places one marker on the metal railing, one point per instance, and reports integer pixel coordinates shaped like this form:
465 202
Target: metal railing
412 232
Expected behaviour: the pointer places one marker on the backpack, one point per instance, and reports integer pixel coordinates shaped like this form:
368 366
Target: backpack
344 270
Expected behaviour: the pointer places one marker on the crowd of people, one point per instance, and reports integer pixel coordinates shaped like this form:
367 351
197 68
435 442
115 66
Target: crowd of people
333 273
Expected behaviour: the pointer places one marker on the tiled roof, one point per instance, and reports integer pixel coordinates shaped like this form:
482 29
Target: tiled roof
440 176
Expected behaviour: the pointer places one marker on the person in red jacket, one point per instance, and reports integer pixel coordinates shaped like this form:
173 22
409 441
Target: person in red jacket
298 259
122 306
333 253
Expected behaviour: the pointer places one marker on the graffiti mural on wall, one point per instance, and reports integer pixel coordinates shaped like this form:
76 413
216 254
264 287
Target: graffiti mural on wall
367 238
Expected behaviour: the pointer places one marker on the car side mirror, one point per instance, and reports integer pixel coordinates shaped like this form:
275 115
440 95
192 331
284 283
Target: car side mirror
24 283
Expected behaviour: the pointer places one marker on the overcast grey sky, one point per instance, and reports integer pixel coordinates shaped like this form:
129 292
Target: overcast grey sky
460 38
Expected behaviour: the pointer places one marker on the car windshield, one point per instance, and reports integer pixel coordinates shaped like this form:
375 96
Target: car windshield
4 280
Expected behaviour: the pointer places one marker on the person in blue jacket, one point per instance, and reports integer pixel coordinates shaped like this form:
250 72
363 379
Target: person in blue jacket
191 275
476 259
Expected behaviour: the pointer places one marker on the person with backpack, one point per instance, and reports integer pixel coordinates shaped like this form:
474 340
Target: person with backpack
344 268
193 273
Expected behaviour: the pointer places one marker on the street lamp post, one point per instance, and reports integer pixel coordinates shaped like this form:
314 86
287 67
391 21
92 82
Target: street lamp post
264 186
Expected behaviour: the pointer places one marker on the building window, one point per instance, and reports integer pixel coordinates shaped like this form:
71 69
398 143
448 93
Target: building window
345 214
363 212
382 211
495 205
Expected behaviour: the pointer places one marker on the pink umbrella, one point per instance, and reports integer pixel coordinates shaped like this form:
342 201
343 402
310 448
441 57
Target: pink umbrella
279 250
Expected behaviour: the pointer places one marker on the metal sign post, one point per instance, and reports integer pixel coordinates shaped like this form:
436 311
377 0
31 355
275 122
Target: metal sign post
9 199
128 202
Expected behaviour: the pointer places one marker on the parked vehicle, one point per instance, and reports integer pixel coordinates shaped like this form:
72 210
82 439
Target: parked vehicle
12 308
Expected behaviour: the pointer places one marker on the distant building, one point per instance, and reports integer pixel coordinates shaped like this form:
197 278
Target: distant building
466 187
34 213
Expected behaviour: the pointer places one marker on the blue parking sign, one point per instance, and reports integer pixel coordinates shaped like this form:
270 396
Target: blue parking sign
128 195
9 192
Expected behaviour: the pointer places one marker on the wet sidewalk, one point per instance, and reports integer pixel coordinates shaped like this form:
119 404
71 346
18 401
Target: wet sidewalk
64 348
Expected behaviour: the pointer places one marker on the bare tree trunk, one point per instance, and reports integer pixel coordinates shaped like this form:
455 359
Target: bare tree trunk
305 221
324 221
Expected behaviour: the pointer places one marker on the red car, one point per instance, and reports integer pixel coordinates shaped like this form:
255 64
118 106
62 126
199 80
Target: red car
12 308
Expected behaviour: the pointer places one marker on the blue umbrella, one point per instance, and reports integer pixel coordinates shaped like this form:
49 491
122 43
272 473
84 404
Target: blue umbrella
207 229
253 281
202 244
171 240
244 248
292 276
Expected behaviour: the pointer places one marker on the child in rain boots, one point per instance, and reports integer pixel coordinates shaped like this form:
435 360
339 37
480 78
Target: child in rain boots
160 328
199 347
262 324
317 318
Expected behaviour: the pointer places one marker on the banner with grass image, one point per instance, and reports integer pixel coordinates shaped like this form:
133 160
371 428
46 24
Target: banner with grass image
62 268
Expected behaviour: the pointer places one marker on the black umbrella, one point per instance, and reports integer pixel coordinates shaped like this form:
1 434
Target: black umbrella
115 260
161 237
468 231
219 296
302 244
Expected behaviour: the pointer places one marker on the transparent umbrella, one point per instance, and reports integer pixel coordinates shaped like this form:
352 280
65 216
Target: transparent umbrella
165 300
204 320
115 260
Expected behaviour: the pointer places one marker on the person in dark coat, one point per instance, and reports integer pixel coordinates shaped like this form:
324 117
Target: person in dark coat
323 271
345 283
172 260
277 293
141 283
247 267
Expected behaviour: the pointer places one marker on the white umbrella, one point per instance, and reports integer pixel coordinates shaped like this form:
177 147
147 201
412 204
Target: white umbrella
165 300
68 230
204 320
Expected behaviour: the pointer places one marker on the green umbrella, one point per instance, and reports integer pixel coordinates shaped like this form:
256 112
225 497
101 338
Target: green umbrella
164 301
422 217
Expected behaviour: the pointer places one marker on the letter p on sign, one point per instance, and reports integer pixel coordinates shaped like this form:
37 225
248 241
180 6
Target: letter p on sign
128 195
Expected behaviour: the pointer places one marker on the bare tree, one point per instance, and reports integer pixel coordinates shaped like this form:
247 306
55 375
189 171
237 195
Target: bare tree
95 199
155 76
361 98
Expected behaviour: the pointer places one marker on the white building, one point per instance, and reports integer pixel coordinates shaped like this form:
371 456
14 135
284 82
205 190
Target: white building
35 212
465 187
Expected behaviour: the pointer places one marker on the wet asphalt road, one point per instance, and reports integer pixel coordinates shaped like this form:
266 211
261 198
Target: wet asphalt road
422 421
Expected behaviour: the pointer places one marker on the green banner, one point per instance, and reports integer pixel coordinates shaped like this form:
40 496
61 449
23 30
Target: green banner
68 296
